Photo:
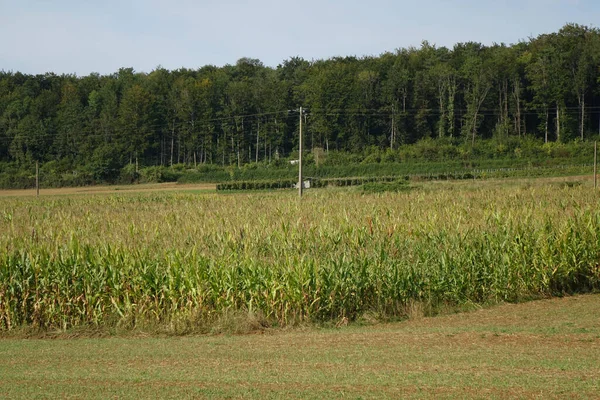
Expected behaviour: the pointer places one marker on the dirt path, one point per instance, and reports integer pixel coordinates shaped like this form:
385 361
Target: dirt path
147 187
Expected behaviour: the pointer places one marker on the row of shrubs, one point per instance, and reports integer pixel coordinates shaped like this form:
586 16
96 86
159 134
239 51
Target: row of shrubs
357 181
339 182
445 177
256 185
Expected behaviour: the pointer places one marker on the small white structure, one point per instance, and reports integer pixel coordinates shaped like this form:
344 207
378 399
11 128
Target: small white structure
305 185
294 162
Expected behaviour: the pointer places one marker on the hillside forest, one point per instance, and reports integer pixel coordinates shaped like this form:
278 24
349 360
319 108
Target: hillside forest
543 89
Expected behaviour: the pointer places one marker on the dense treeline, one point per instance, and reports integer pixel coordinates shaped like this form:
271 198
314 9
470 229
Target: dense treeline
545 88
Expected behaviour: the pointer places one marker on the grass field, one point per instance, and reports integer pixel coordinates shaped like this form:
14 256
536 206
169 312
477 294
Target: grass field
544 349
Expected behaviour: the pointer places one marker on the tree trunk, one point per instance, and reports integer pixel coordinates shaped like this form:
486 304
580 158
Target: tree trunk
500 107
474 128
441 95
451 97
393 136
172 141
179 148
557 123
478 107
232 148
257 140
517 97
239 162
506 100
546 127
582 106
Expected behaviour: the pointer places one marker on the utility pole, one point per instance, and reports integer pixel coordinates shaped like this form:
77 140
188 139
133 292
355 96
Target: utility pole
300 159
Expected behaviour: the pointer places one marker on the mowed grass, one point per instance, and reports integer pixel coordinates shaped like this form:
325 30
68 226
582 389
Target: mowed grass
542 349
184 262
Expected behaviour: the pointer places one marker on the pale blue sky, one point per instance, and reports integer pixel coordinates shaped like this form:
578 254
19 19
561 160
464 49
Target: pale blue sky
82 36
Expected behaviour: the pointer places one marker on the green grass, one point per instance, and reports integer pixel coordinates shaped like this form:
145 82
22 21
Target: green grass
543 349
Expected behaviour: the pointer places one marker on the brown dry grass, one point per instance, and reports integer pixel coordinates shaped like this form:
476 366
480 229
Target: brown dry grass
586 180
142 188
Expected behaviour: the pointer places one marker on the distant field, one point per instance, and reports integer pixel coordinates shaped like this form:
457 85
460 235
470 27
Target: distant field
179 187
545 349
147 187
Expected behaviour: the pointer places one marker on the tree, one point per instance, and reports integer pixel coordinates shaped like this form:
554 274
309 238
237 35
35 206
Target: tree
395 91
476 72
580 48
71 140
444 77
241 113
135 121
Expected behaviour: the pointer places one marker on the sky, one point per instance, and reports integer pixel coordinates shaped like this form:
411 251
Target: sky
84 36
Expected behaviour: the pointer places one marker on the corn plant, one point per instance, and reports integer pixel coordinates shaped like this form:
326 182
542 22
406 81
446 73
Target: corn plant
171 259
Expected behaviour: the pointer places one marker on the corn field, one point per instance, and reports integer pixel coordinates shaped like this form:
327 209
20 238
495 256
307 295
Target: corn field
179 260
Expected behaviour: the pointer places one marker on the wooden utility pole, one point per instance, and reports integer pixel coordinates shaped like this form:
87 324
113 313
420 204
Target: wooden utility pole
300 158
37 178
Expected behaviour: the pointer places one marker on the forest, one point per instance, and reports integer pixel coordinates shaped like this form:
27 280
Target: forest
544 89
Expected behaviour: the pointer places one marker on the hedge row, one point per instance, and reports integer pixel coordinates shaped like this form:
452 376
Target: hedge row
257 185
355 181
445 177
